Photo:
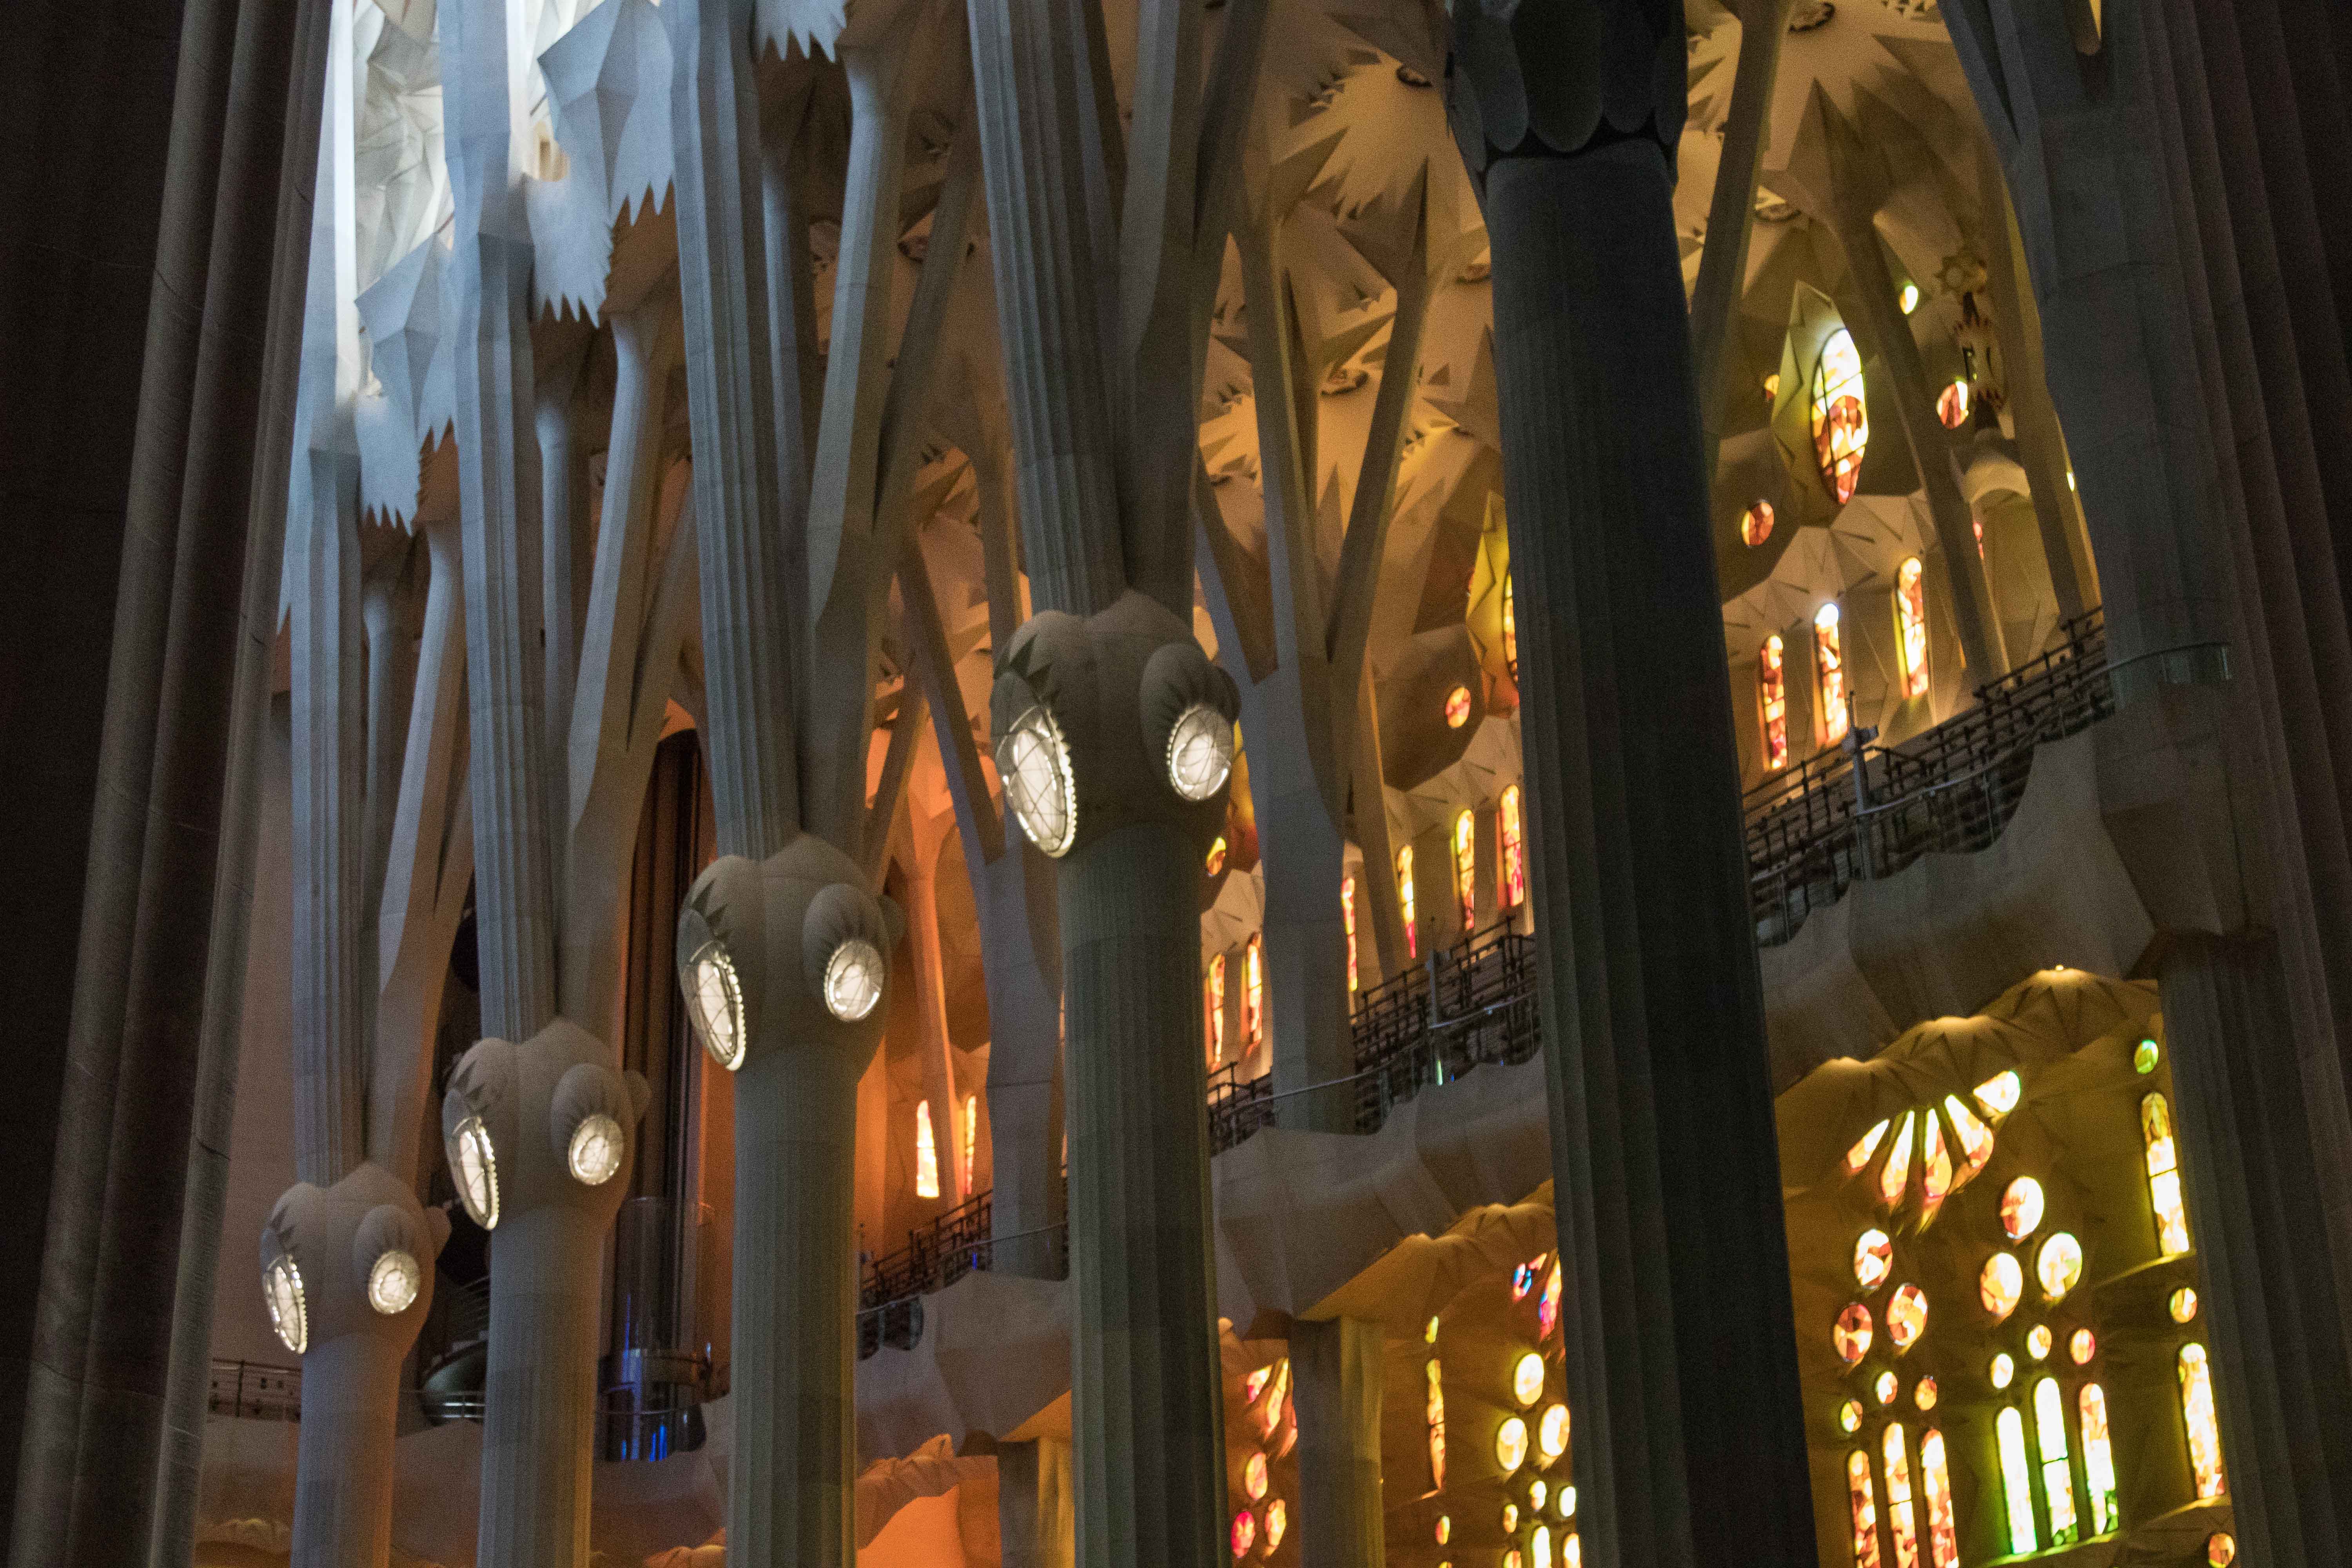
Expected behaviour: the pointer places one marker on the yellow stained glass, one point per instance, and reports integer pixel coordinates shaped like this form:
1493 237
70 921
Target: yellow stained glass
2182 1304
1924 1397
1900 1517
1527 1378
1255 1385
1436 1414
1841 417
1278 1519
1404 897
1874 1255
1935 1165
2000 1369
2204 1427
1911 625
2221 1549
2098 1460
927 1153
2057 1476
1896 1174
1936 1479
1465 868
1884 1387
1772 692
1851 1334
1510 628
1511 1444
1348 922
2001 1285
1907 1316
1864 1147
1253 991
1862 1498
2016 1480
1970 1131
1829 675
1539 1547
2037 1342
1551 1437
1513 830
1998 1094
1510 1517
2059 1266
2020 1207
1548 1308
1254 1477
2164 1177
1213 999
1848 1415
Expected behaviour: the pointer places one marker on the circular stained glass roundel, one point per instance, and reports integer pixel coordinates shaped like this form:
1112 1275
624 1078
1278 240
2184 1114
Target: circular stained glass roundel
1874 1255
393 1281
1884 1387
2020 1207
1245 1532
1200 751
2001 1285
2037 1342
1277 1520
1527 1378
1536 1492
1551 1433
2080 1346
2145 1056
1756 523
2182 1305
1924 1397
853 980
1457 708
1511 1444
717 1001
1907 1316
477 1172
289 1313
1852 1334
2221 1549
1254 1477
595 1156
1510 1517
1034 761
1849 1415
1444 1531
2059 1266
2002 1369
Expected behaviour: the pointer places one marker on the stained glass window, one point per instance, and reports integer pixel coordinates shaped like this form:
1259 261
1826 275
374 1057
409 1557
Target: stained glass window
1935 1167
1899 1515
2000 1369
1254 1477
927 1153
1347 921
1527 1378
2099 1459
1772 690
2020 1207
1907 1316
1465 868
2016 1480
1551 1440
1936 1479
1874 1255
1756 523
1548 1307
1884 1387
1864 1147
1840 420
1897 1174
1513 831
1911 625
2037 1342
1214 861
2001 1285
2221 1549
1254 990
1511 1444
971 1137
1214 999
1924 1395
2059 1266
1862 1495
2080 1346
1829 675
1457 708
1245 1532
2204 1428
1974 1137
2057 1476
1405 897
1435 1410
1998 1094
2182 1304
1848 1415
1852 1333
2164 1177
1510 628
1952 405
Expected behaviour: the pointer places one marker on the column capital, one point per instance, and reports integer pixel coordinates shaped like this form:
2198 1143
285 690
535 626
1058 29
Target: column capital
1538 78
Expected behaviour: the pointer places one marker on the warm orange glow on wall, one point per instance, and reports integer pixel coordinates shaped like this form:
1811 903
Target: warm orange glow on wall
1347 921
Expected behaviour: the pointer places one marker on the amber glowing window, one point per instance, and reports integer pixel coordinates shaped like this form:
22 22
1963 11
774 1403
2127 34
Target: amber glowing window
1896 1174
1829 675
1756 523
1214 998
1864 1147
1511 827
1935 1165
1840 422
1862 1498
1253 991
1510 629
1852 1334
1874 1255
1952 405
927 1153
1907 1316
1974 1137
2164 1177
1465 868
1347 921
2204 1428
1998 1094
2098 1460
2058 1265
1215 859
2000 1285
1435 1410
1772 690
2057 1476
1405 897
2016 1480
1911 625
1935 1480
1457 708
1900 1515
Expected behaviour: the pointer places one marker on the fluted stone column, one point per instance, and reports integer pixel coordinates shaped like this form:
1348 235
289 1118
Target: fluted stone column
1681 1360
1337 1365
1033 1503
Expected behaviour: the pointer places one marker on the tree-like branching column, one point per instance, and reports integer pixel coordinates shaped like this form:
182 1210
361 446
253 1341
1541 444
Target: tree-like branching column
1680 1361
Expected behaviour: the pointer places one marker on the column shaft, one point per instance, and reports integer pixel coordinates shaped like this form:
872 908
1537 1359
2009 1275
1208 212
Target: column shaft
540 1390
1337 1368
1033 1503
344 1461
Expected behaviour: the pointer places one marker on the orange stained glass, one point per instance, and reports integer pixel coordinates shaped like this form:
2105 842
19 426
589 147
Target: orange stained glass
1952 405
1245 1532
1884 1387
1998 1094
1841 420
2037 1342
1254 990
1900 1517
1756 523
970 1139
2058 1265
2099 1459
1935 1165
1254 1477
2057 1475
1829 675
1772 691
2164 1177
1936 1480
1348 919
2080 1346
1255 1383
1874 1255
1405 897
2001 1285
1214 861
1907 1316
1457 708
1851 1334
1214 999
1548 1308
1911 625
1512 829
1897 1174
1862 1496
927 1153
1277 1520
1975 1138
2204 1428
1864 1147
1465 868
1510 628
1924 1395
2020 1207
2221 1549
1436 1411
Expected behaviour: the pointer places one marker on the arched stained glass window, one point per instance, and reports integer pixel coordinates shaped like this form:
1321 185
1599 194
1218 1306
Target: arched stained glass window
2204 1429
2164 1177
1253 991
2016 1480
1510 629
1935 1165
1861 1495
1214 1000
926 1152
1772 690
1436 1411
1900 1517
1511 828
1405 897
1841 420
1896 1174
1347 921
1465 868
2057 1475
2099 1459
1911 625
970 1139
1829 675
1935 1480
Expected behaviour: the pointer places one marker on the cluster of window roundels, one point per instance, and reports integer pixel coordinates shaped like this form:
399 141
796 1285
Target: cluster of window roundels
1535 1505
2034 1440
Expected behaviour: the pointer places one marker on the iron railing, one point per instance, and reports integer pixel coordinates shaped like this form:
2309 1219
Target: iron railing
254 1392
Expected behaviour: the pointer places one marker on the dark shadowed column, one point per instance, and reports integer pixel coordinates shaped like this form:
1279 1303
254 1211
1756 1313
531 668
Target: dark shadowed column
1681 1365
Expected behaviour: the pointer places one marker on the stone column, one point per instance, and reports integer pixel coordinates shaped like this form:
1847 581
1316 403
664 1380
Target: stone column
1034 1500
1337 1368
1681 1359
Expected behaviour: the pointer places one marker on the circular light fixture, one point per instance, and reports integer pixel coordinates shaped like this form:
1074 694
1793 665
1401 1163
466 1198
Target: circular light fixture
2037 1342
1034 761
2020 1207
1924 1397
1527 1378
717 1001
2003 1369
1849 1415
2059 1266
2183 1304
478 1171
1874 1255
2001 1285
1200 751
289 1314
1551 1435
1457 708
2080 1346
853 980
1511 1444
392 1282
596 1151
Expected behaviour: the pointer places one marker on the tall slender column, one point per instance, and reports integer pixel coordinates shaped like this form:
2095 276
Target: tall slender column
1338 1367
1033 1503
1681 1359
